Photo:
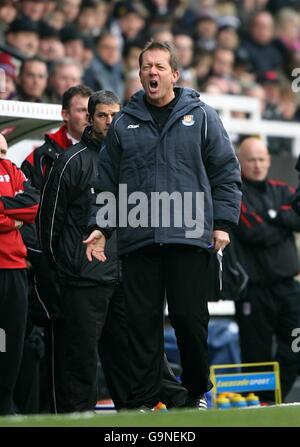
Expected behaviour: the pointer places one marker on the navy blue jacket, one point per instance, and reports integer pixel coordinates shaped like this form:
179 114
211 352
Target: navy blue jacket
192 153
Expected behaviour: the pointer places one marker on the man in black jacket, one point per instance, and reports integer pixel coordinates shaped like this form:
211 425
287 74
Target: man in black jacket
92 296
166 146
45 295
271 307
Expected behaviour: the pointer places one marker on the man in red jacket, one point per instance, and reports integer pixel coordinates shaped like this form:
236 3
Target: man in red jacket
18 204
74 114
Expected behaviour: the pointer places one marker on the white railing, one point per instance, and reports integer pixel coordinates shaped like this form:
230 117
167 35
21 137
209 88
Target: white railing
226 104
33 110
253 125
265 128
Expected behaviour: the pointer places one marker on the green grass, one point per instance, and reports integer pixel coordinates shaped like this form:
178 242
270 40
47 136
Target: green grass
275 416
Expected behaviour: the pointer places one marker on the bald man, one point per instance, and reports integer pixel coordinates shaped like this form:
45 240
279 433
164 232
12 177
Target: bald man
18 204
265 233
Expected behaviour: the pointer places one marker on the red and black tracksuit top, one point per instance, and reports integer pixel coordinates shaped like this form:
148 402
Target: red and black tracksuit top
267 239
38 163
18 201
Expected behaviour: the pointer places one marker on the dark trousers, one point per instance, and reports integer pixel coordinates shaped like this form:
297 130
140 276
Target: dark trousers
95 324
94 318
268 312
13 314
45 311
181 272
54 376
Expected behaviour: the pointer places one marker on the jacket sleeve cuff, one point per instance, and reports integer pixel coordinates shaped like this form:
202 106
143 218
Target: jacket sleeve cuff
224 225
105 233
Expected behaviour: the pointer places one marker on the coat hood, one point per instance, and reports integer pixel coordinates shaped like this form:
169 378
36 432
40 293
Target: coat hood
188 98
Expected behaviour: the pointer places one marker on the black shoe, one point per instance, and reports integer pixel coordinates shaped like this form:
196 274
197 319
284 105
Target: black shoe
199 402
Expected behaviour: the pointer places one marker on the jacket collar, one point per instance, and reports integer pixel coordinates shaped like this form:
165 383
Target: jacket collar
188 99
60 138
90 142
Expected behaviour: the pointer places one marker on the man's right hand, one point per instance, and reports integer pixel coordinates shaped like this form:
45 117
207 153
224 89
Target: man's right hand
18 224
95 246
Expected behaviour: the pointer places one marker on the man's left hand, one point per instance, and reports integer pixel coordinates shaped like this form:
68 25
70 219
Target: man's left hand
220 240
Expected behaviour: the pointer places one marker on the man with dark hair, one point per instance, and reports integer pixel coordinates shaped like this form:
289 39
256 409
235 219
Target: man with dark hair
45 295
166 144
92 294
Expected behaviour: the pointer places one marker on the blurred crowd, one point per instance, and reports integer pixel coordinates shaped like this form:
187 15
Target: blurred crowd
247 47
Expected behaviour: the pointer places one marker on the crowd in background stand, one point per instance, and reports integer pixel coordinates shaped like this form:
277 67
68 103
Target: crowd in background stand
247 47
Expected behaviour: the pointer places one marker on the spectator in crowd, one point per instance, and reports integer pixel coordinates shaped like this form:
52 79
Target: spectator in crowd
185 53
130 21
205 34
222 63
105 71
276 5
57 19
132 84
242 67
162 34
71 9
265 233
8 12
32 80
255 90
271 83
246 9
7 77
131 54
49 7
227 36
88 21
65 73
202 66
102 15
51 48
72 40
163 258
18 205
287 112
262 52
33 9
288 104
288 29
23 35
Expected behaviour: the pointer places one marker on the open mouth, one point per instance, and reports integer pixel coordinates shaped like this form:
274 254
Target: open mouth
153 85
